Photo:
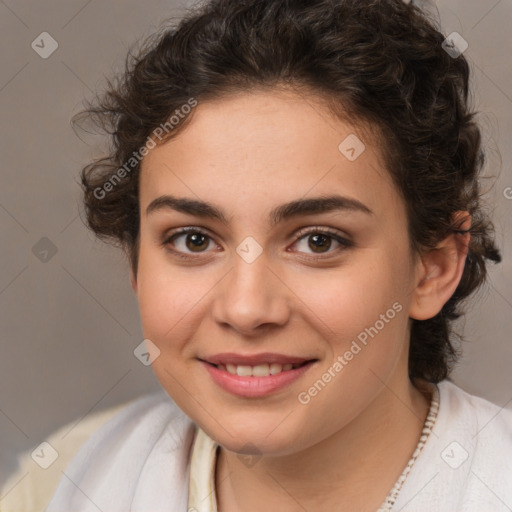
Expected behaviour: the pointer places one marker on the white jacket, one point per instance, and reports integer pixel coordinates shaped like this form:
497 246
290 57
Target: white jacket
139 461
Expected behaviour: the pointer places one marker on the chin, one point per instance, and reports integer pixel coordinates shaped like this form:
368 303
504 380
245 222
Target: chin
260 439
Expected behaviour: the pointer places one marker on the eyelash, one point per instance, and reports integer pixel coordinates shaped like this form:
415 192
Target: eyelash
345 243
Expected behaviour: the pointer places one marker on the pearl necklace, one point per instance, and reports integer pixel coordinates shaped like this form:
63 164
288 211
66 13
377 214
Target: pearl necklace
427 429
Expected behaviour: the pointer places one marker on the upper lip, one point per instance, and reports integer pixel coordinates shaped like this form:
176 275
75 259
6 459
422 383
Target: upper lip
253 360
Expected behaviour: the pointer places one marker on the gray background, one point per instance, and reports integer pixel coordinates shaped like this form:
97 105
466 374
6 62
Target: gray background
70 324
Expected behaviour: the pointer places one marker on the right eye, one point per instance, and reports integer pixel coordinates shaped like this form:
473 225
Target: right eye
190 239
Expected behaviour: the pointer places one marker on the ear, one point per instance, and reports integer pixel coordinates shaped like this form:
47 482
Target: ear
439 271
133 281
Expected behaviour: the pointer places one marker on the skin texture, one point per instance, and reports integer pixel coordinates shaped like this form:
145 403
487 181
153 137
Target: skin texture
247 154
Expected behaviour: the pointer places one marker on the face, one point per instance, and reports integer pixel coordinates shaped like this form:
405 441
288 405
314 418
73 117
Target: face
324 282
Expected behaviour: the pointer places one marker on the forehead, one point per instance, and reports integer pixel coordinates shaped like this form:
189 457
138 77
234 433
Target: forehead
267 147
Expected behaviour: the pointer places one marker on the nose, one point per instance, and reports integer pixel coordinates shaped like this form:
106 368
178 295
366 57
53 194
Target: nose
252 298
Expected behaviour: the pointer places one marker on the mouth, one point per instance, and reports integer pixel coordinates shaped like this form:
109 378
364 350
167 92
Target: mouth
259 370
256 381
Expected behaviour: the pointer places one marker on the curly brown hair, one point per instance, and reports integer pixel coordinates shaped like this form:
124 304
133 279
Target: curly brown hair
379 62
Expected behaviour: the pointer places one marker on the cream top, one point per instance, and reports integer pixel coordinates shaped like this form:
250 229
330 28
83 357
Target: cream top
140 460
202 497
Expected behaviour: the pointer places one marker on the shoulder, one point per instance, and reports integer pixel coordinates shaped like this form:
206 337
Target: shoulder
130 460
478 452
466 463
32 483
486 429
147 417
486 417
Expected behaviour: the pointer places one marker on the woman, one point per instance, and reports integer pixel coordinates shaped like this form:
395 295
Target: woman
296 186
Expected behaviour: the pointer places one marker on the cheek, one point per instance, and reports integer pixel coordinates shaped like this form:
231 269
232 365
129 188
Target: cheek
350 299
163 295
173 301
361 313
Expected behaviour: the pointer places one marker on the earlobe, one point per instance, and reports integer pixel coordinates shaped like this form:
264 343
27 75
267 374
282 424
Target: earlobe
440 271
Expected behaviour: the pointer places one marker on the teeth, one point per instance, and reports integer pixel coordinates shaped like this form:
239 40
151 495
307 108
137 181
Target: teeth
276 368
244 371
260 370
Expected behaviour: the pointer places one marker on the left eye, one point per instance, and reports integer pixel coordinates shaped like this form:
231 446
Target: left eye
197 241
319 239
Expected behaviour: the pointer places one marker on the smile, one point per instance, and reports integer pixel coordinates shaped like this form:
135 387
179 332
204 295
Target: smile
260 370
256 381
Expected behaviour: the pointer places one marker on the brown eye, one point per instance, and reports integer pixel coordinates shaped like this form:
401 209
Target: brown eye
319 241
195 241
187 241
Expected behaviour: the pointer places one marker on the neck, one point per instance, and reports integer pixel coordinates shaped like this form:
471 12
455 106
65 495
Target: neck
334 474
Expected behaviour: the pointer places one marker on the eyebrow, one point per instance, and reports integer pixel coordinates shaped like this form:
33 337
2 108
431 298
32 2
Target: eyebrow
311 206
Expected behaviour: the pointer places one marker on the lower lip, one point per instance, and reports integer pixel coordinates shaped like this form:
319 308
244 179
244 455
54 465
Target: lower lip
254 387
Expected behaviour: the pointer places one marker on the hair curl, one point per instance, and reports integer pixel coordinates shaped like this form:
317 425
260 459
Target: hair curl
378 61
